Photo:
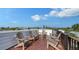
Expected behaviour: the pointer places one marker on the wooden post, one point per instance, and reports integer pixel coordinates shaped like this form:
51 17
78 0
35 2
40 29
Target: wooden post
78 45
74 44
69 43
65 42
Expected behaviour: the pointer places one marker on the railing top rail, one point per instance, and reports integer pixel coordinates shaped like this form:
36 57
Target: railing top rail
74 38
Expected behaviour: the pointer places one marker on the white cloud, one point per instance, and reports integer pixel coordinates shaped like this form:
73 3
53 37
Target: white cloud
69 12
46 15
39 17
36 17
65 12
64 8
53 13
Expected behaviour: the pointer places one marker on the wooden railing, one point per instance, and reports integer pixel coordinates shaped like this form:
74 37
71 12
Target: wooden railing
69 42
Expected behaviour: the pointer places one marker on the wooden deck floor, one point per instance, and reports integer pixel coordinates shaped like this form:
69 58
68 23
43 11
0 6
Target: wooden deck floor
40 44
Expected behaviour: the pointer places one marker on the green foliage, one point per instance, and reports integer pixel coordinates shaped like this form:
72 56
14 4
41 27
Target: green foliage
75 27
8 28
73 35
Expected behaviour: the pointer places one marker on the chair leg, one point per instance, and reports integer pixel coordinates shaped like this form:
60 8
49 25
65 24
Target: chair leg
57 44
17 45
23 47
47 45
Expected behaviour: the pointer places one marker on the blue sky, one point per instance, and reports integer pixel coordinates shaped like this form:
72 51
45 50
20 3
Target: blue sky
54 17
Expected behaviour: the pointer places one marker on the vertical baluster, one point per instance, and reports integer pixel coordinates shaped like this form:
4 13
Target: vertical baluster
74 44
65 42
78 45
61 38
69 43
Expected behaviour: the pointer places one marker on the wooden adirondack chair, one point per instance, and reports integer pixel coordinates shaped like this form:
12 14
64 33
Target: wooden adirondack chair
20 40
53 41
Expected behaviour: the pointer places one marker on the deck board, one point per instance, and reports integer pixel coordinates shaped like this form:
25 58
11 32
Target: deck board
40 44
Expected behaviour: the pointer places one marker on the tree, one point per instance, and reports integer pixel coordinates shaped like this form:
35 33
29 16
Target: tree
75 27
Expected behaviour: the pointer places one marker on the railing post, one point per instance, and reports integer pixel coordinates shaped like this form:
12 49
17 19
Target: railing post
74 44
69 43
64 41
78 45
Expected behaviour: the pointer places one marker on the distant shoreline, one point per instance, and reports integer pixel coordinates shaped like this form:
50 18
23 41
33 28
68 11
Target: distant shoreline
14 30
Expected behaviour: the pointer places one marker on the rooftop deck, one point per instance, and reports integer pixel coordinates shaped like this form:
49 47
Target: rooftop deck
40 44
66 42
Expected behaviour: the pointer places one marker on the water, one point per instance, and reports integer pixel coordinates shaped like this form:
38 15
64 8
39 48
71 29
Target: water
8 39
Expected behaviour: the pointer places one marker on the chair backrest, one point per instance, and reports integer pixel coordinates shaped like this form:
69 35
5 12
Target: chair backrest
55 37
31 34
59 35
34 33
20 35
54 33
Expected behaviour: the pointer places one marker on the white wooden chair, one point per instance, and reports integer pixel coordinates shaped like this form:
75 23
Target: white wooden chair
53 41
20 39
